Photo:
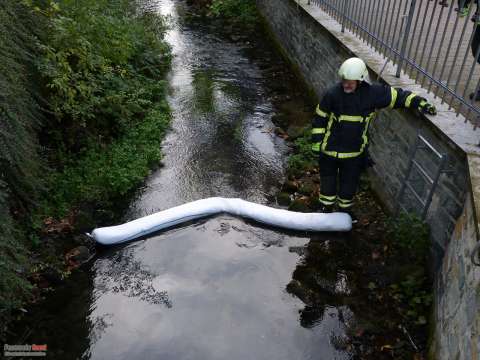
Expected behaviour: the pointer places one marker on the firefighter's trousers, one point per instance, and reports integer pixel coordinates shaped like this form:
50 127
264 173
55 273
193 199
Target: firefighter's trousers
339 179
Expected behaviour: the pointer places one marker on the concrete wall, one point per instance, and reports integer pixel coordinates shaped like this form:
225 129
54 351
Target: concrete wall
315 45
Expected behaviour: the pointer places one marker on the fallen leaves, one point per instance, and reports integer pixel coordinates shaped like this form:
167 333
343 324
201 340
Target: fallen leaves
53 226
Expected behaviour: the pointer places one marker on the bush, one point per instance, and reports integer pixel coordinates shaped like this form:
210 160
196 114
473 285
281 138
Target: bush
19 161
242 12
411 236
14 288
103 64
304 158
106 173
97 57
411 240
94 69
19 113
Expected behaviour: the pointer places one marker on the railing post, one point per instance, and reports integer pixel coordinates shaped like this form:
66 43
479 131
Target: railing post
344 14
405 37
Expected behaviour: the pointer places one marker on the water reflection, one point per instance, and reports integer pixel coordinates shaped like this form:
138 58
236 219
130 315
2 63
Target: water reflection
329 280
225 281
121 273
221 143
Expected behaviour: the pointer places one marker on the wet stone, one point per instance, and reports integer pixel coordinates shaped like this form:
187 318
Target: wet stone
290 187
299 250
300 205
307 187
279 132
77 256
326 285
84 220
298 289
283 199
82 239
280 120
294 132
52 276
340 342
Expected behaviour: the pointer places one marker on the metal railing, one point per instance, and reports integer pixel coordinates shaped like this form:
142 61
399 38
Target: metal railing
429 40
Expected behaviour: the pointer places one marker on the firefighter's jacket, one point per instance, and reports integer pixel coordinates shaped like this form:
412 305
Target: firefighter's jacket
340 125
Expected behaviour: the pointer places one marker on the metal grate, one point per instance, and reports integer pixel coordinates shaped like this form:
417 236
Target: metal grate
431 41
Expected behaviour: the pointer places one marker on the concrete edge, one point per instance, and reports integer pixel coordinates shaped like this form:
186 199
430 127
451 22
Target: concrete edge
454 128
474 171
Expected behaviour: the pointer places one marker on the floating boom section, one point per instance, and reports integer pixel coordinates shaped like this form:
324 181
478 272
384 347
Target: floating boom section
215 205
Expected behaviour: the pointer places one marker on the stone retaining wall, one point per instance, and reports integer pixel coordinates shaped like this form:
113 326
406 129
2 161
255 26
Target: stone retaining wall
315 45
457 295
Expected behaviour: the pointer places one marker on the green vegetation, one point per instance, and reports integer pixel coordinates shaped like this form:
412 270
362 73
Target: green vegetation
101 63
239 12
410 236
14 288
19 160
103 173
304 158
83 112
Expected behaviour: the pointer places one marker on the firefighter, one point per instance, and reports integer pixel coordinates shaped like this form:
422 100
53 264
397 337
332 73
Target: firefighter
340 130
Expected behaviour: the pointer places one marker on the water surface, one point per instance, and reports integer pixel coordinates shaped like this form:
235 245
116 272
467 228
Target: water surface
214 288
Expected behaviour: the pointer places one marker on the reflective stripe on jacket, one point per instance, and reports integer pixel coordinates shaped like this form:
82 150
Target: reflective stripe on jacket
341 121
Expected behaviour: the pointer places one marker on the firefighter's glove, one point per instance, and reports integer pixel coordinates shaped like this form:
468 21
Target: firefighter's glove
427 108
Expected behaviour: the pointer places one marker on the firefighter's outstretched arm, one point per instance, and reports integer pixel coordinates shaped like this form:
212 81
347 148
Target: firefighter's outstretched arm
400 98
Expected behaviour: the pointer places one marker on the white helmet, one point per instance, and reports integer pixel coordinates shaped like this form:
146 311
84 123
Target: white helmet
353 69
